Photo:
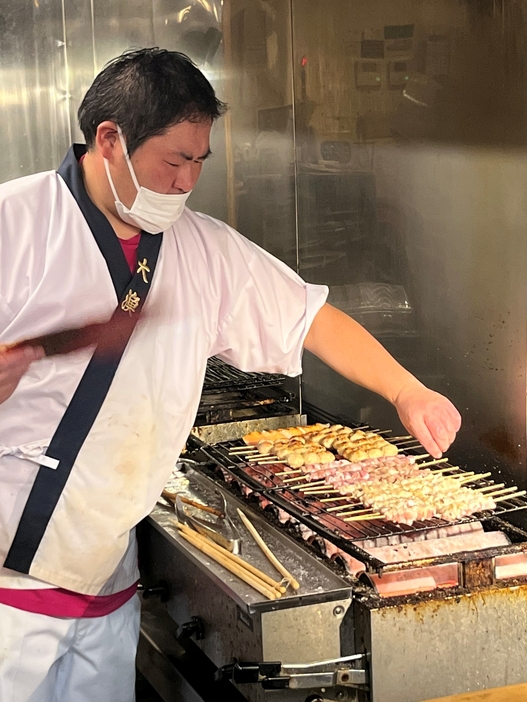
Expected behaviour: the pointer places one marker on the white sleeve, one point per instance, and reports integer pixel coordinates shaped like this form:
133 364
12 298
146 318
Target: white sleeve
269 311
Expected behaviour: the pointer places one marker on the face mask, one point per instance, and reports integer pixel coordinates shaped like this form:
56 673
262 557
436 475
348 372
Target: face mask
153 212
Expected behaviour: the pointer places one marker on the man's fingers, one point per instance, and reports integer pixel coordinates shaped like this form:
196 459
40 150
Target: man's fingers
19 358
13 365
422 433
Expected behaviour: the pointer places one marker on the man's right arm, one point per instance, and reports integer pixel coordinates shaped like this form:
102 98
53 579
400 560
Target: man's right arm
13 365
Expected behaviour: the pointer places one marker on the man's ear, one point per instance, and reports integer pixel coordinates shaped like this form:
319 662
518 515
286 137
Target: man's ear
107 141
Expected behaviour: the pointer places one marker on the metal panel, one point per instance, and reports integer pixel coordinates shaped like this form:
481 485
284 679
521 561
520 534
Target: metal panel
258 61
120 25
33 87
320 627
415 648
81 52
194 27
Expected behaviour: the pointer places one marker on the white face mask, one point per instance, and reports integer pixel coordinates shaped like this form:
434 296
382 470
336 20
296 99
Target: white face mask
153 212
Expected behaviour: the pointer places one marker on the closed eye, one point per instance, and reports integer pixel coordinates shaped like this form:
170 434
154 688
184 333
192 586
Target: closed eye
177 165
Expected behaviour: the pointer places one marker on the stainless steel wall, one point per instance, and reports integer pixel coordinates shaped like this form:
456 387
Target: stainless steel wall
50 51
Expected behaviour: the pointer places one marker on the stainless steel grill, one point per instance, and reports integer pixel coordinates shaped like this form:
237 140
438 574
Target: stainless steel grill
343 635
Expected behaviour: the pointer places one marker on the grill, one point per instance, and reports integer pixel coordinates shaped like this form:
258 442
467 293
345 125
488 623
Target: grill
221 377
314 514
232 395
376 634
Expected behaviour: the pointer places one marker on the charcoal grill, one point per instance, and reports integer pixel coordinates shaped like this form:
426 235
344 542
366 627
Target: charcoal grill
310 511
336 638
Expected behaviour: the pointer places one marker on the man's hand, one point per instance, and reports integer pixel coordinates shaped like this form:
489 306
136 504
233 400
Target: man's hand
428 416
353 352
13 365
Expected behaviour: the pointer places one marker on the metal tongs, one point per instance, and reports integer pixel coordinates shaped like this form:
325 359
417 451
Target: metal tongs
222 530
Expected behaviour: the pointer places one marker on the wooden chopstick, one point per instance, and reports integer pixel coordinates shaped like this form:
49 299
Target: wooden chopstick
267 551
236 559
221 556
171 497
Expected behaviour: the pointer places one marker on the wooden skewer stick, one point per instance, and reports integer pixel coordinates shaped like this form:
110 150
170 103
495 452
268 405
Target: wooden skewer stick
267 551
291 471
508 497
503 492
171 497
471 478
393 439
307 485
235 559
320 491
446 469
264 459
364 517
494 486
239 571
334 499
243 449
352 512
464 475
421 455
435 462
295 479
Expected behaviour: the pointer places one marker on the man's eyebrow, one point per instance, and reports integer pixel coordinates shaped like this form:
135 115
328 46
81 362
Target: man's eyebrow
188 157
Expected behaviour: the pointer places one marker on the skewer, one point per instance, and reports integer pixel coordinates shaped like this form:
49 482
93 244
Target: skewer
315 483
264 461
472 478
336 509
508 497
504 492
364 518
422 455
267 551
446 469
243 449
304 476
242 572
351 512
320 491
492 487
291 471
393 439
435 462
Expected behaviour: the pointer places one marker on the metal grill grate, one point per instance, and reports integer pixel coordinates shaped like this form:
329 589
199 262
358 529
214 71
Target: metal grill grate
221 377
313 513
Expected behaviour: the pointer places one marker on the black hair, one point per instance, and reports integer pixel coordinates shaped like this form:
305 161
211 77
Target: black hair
145 92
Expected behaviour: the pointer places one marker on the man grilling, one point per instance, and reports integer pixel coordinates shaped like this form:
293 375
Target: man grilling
87 442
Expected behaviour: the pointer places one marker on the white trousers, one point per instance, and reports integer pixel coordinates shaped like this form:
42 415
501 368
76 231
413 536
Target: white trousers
51 659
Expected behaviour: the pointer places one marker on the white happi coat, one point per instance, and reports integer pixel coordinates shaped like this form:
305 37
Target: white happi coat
213 293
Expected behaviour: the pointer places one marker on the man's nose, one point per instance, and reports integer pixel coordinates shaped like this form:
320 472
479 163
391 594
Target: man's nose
186 177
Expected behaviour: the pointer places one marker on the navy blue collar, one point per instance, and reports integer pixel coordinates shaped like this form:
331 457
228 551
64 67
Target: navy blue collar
105 236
